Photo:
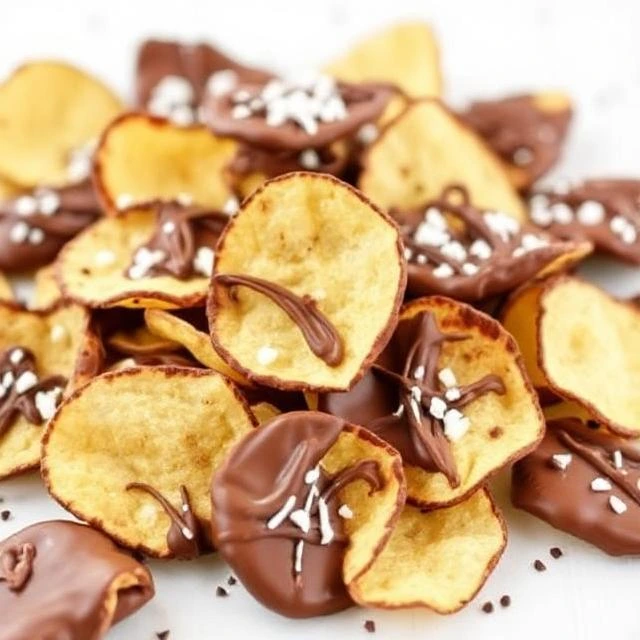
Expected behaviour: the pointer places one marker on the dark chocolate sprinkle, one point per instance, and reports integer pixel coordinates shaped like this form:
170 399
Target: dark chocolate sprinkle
5 515
538 565
370 626
556 552
505 601
231 581
487 607
162 635
221 592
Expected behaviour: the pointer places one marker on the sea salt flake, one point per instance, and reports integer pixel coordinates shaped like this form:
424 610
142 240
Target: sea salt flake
561 460
437 407
345 512
455 424
447 377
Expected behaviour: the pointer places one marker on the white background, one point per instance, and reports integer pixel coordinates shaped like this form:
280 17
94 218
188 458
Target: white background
490 47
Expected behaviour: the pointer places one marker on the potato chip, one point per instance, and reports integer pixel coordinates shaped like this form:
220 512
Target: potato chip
48 111
65 580
527 131
438 560
450 393
141 159
32 383
6 291
586 350
327 252
329 494
427 149
97 267
46 292
8 189
124 448
263 411
405 54
194 338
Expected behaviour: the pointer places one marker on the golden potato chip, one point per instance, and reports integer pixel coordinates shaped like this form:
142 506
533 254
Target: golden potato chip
438 560
302 507
141 159
327 253
263 411
49 110
564 409
405 54
49 342
450 393
124 448
46 292
195 339
588 351
8 189
6 292
95 267
427 149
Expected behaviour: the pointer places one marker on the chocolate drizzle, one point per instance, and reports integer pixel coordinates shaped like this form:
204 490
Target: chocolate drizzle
476 255
394 398
183 537
20 386
318 331
16 565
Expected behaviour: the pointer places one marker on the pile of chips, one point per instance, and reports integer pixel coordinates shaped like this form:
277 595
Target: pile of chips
302 321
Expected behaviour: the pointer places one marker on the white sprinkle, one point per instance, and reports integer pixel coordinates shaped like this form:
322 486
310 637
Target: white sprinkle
531 242
518 252
562 186
57 333
16 356
182 115
618 224
203 261
242 95
481 249
416 393
434 218
454 250
437 407
522 156
624 229
539 200
240 112
26 206
19 232
79 166
455 424
222 82
600 484
367 134
470 269
407 253
452 394
280 516
231 206
415 409
617 505
266 355
629 235
124 200
26 380
312 475
143 260
501 224
539 211
48 202
104 257
443 270
400 411
309 159
168 227
447 377
3 392
590 213
418 372
617 459
297 565
47 401
174 90
561 460
421 258
326 530
345 512
430 236
562 213
8 379
187 533
184 198
36 236
301 519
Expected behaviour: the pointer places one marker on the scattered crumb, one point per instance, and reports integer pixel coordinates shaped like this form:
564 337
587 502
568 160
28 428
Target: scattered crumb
487 607
5 515
370 626
556 552
505 601
221 592
538 565
162 635
496 432
231 581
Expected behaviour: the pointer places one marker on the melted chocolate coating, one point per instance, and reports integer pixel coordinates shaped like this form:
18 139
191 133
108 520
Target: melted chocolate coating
260 476
382 399
620 198
71 570
566 500
318 331
78 208
516 123
501 272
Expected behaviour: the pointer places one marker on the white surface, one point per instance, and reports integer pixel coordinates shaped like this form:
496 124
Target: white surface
489 47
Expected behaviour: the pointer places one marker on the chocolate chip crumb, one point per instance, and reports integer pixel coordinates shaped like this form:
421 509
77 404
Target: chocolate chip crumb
231 581
556 552
370 626
505 601
538 565
221 592
487 607
162 635
5 515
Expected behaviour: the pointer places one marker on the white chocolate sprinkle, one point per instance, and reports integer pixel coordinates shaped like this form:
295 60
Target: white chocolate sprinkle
470 269
16 356
301 519
433 217
8 379
222 82
455 424
481 249
590 213
454 250
562 213
443 270
47 401
453 394
25 381
326 530
437 407
617 459
36 236
309 159
280 516
48 202
447 377
231 206
203 261
297 565
345 512
418 372
26 205
421 258
522 156
600 484
19 232
312 475
430 236
367 134
561 460
617 505
168 227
